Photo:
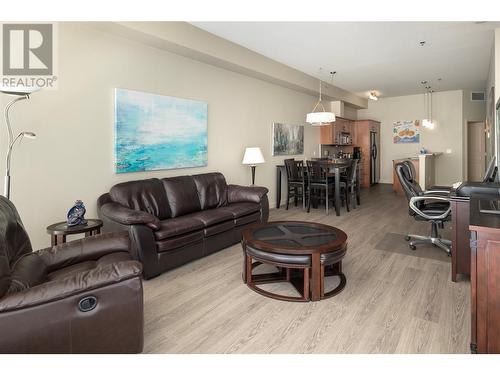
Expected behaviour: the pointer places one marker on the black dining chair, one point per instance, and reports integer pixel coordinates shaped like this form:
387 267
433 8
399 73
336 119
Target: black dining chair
318 181
296 183
348 185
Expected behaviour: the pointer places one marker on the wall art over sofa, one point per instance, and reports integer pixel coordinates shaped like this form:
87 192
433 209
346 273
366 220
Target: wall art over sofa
154 132
288 139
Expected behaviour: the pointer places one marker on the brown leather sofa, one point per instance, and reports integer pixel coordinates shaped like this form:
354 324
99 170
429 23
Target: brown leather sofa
179 219
84 296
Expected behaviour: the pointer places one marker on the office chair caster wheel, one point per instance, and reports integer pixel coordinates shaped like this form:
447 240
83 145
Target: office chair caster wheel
407 238
413 247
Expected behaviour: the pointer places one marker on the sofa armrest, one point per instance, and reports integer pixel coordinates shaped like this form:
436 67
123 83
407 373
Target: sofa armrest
78 283
237 193
127 216
85 249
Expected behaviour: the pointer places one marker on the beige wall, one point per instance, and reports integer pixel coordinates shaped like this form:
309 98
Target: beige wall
490 107
72 158
447 111
497 90
472 112
497 64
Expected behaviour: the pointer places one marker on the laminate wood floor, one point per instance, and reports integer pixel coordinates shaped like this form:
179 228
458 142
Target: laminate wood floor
393 303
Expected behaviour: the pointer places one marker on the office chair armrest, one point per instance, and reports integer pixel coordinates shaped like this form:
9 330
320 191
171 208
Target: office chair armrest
413 206
446 192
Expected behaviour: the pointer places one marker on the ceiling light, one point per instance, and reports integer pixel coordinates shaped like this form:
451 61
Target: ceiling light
422 43
428 123
373 95
321 117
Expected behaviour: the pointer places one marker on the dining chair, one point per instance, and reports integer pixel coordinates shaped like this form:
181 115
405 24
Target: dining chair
348 185
318 180
296 183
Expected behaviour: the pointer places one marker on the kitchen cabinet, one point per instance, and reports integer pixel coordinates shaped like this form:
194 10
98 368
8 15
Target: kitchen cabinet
330 134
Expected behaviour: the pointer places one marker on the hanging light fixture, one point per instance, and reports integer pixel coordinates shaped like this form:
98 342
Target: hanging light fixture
322 117
427 123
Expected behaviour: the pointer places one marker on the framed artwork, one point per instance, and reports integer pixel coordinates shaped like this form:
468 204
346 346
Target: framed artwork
406 132
287 139
154 132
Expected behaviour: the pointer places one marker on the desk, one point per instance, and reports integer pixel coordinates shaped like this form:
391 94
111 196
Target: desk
335 168
485 277
460 249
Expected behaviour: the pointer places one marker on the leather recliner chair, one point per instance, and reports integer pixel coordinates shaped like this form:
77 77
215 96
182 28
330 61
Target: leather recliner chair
83 296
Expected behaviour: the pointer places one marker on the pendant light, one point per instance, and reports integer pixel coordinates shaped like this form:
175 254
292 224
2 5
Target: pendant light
427 123
322 117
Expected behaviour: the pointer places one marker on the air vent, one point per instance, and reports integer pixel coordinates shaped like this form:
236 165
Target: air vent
477 96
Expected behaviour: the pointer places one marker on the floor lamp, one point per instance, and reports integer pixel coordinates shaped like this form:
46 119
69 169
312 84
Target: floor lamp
20 94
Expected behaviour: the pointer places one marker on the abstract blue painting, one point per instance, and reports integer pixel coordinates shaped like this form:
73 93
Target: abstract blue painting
154 132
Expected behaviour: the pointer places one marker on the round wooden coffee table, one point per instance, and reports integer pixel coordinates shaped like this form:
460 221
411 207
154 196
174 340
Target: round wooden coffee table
295 246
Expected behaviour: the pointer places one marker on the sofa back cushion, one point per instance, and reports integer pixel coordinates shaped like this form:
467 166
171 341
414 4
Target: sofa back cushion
182 195
143 195
212 190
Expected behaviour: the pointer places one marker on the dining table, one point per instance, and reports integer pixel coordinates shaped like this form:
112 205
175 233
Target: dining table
334 167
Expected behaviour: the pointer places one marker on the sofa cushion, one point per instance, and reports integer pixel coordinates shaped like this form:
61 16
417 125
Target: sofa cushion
243 220
176 226
179 241
143 195
213 216
241 209
182 195
219 228
212 189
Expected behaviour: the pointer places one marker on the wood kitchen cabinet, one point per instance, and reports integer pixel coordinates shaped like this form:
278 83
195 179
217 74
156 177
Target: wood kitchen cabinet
327 136
330 133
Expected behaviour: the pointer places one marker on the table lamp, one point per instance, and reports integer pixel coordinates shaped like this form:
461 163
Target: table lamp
252 157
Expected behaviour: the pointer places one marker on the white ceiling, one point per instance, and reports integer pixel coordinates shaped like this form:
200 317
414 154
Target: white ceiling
382 56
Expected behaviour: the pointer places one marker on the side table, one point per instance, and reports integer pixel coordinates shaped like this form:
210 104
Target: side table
59 231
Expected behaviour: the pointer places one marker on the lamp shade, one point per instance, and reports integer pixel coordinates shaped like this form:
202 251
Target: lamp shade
320 118
253 155
19 91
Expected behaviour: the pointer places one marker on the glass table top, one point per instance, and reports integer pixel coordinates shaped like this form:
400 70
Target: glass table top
295 235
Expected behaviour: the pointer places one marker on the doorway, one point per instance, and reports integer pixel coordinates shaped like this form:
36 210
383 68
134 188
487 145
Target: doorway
476 151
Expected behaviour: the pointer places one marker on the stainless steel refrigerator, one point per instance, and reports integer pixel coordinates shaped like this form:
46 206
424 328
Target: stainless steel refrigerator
374 158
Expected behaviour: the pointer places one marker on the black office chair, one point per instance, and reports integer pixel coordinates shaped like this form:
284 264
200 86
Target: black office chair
431 205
